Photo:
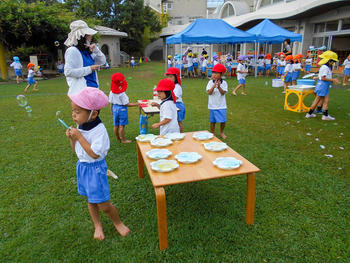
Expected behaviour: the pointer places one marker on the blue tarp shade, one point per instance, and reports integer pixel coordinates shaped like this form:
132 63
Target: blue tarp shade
210 31
268 32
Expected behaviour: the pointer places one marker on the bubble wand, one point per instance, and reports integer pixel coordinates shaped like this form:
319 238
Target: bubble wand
58 113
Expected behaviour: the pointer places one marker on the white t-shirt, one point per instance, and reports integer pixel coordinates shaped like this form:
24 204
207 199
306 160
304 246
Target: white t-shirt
216 62
241 67
31 73
204 63
279 62
267 61
261 62
168 110
217 101
170 62
283 63
120 99
99 141
16 65
189 62
325 71
178 92
297 66
195 60
346 63
289 68
308 61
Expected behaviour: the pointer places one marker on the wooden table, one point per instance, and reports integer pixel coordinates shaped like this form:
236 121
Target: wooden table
186 173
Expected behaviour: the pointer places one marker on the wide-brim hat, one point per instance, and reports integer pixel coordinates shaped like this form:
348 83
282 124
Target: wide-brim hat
166 85
90 99
326 56
174 71
79 29
289 57
30 65
118 83
16 59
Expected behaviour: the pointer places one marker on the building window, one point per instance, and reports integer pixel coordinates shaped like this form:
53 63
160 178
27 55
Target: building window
346 24
319 27
317 41
332 26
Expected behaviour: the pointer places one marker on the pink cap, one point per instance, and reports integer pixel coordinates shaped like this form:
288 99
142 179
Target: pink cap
90 99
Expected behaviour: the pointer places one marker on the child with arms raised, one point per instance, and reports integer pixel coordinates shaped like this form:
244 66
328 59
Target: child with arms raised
91 143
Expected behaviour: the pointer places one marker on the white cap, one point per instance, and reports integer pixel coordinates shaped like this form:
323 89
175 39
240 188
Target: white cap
78 29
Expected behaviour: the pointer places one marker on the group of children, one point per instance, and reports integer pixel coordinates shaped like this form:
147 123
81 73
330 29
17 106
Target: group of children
17 66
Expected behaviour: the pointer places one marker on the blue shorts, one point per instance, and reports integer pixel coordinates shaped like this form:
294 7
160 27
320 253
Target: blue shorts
241 81
261 69
218 116
182 111
182 67
289 77
132 64
190 69
31 81
18 72
278 69
281 70
268 66
195 65
294 75
120 115
322 88
347 71
229 69
92 181
307 68
203 69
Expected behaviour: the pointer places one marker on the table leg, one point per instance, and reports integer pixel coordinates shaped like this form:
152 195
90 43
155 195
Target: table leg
250 203
140 167
161 214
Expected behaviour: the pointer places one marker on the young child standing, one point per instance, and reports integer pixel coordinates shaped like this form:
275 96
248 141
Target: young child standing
346 65
322 87
267 64
282 64
170 61
91 143
132 62
195 61
288 72
174 75
119 105
17 66
217 89
296 69
204 65
308 62
190 65
168 112
261 65
242 72
30 78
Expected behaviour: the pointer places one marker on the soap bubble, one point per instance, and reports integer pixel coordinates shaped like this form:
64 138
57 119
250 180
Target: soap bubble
59 114
22 100
28 109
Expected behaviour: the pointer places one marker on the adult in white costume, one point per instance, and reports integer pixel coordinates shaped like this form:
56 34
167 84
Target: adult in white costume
82 58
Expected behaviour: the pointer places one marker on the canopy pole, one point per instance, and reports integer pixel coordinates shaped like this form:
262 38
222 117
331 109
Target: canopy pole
211 51
281 46
255 58
236 51
166 56
181 65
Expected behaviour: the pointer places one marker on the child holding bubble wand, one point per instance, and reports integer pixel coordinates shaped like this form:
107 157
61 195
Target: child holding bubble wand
91 143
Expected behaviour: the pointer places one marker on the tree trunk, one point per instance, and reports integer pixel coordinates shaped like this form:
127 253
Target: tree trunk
3 65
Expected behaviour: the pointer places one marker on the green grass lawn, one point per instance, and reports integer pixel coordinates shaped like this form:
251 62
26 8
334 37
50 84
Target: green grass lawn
302 197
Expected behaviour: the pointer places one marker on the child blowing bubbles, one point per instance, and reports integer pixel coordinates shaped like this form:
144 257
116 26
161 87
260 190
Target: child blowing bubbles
168 112
216 89
119 105
91 143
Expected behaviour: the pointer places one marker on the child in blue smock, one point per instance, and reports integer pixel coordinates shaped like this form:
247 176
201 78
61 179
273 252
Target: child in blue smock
119 106
323 84
91 143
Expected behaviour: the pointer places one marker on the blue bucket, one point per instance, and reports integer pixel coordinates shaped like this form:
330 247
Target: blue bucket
310 82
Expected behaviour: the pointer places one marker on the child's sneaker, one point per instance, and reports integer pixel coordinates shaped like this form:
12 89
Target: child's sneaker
308 115
328 118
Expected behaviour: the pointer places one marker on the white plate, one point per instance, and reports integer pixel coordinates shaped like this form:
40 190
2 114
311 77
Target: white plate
203 136
161 142
215 146
158 154
145 137
164 166
188 157
227 163
175 136
309 76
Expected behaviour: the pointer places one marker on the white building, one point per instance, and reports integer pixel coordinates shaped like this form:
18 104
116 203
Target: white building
321 22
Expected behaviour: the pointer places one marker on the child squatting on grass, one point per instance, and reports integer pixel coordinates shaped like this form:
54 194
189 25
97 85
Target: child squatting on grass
217 89
168 112
119 105
91 143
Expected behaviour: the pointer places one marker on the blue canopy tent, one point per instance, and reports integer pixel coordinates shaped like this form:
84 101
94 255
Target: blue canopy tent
267 32
209 31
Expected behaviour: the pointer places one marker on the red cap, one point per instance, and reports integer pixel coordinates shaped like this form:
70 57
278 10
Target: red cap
30 65
281 54
289 57
219 68
268 56
174 71
118 83
166 85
